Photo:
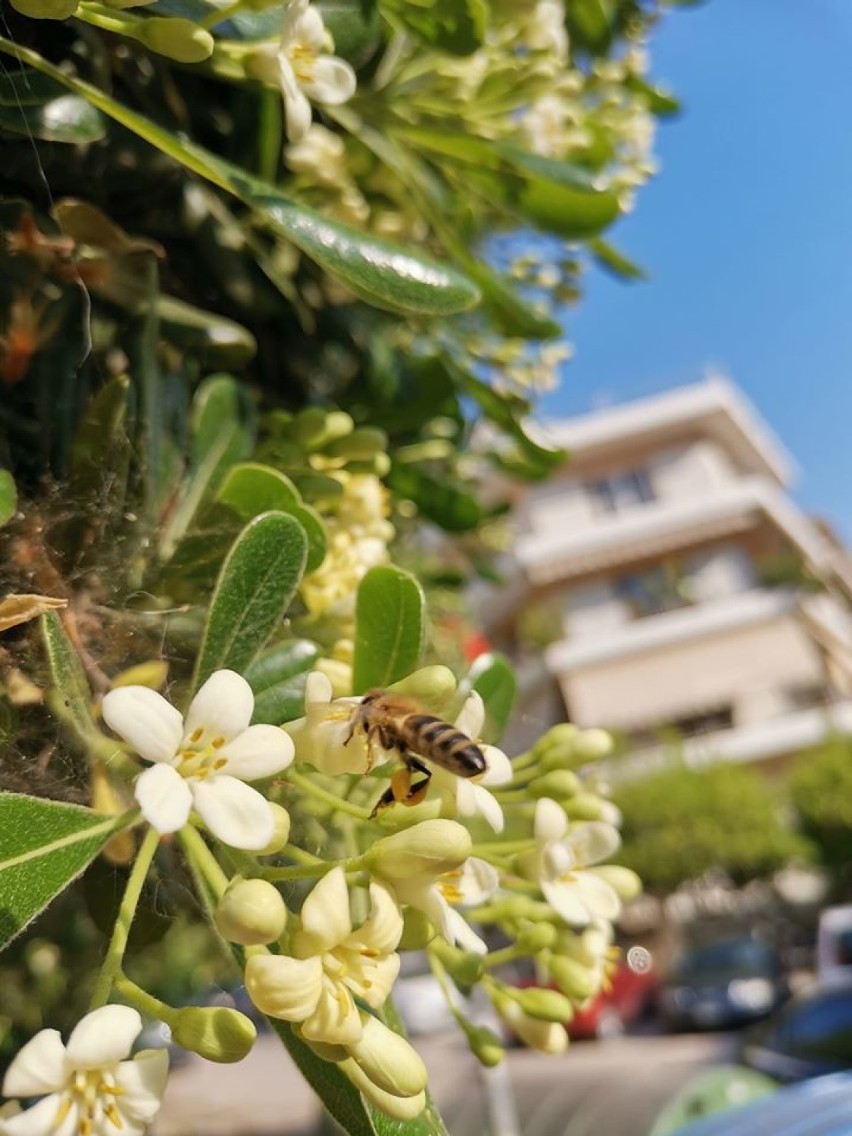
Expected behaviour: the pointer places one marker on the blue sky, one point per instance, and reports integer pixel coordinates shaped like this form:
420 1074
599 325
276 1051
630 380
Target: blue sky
746 235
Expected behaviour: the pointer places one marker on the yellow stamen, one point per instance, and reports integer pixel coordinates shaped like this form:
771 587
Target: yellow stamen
196 735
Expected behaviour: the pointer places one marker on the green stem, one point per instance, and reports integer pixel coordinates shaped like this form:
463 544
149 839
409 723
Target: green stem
220 14
143 1001
312 871
115 952
210 878
314 790
502 847
507 954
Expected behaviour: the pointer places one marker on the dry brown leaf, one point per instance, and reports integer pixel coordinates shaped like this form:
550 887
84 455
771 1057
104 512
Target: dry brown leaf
15 609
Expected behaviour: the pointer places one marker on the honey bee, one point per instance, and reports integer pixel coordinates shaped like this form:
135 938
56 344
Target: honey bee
398 723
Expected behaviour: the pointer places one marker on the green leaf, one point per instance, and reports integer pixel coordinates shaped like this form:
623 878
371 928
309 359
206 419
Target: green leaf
211 339
27 88
660 101
445 504
493 678
8 496
68 118
389 618
44 845
512 315
454 26
70 695
277 678
380 272
252 488
255 586
355 35
591 24
613 261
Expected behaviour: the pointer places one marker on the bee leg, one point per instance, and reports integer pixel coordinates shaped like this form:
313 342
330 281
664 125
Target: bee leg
416 790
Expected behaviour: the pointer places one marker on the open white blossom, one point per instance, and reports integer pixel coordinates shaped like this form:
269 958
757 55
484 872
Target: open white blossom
332 963
322 736
468 796
202 763
439 898
87 1087
300 66
560 859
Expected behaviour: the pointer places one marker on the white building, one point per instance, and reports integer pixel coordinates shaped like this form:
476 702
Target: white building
648 555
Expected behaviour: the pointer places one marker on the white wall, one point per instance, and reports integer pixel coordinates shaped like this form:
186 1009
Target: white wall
559 506
690 470
594 608
719 572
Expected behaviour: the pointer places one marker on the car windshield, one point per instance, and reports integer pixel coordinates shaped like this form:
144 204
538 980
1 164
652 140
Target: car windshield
741 957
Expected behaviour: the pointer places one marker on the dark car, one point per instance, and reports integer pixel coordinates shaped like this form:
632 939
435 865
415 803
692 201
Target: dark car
809 1036
728 983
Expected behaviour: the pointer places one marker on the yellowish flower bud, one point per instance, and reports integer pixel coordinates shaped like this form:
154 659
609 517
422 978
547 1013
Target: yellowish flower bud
624 882
548 1005
399 1108
430 848
151 674
175 37
575 980
362 443
389 1060
486 1046
339 675
280 833
547 1037
536 937
558 740
107 798
217 1032
593 745
464 967
251 912
583 806
559 784
434 686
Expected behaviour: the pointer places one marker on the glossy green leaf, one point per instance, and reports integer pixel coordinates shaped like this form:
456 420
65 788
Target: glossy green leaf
277 677
68 118
445 504
613 261
356 35
44 845
251 488
660 101
256 584
389 619
591 23
27 88
454 26
380 272
8 496
70 694
211 339
492 677
511 314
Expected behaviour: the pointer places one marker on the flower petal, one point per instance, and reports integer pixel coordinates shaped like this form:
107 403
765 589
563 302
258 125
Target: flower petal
103 1037
258 751
234 812
472 799
333 82
318 693
40 1119
550 820
284 987
472 715
594 841
372 979
382 929
600 897
38 1067
297 109
164 798
567 901
145 720
476 881
221 708
463 935
498 767
326 921
335 1020
143 1082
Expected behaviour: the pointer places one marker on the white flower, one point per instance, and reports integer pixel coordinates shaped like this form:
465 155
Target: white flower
468 796
331 962
438 898
559 863
322 737
202 763
91 1090
301 70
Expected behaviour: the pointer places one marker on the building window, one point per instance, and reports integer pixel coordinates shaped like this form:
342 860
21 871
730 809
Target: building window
621 491
658 589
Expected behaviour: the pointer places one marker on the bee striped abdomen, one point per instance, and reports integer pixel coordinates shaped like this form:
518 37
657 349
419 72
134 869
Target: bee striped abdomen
444 745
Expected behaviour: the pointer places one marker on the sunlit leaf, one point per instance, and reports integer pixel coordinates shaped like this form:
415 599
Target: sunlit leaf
613 261
389 625
447 505
8 496
70 694
277 677
493 678
64 119
455 26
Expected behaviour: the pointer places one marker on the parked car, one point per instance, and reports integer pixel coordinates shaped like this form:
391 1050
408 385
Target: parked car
822 1107
630 995
811 1035
834 943
728 983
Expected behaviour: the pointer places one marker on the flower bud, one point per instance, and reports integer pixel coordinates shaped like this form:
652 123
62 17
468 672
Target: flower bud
623 881
558 740
251 912
430 848
151 674
583 806
536 937
575 981
558 784
592 745
547 1005
280 833
547 1037
365 442
388 1059
339 674
434 686
400 1108
175 38
486 1046
216 1032
464 967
